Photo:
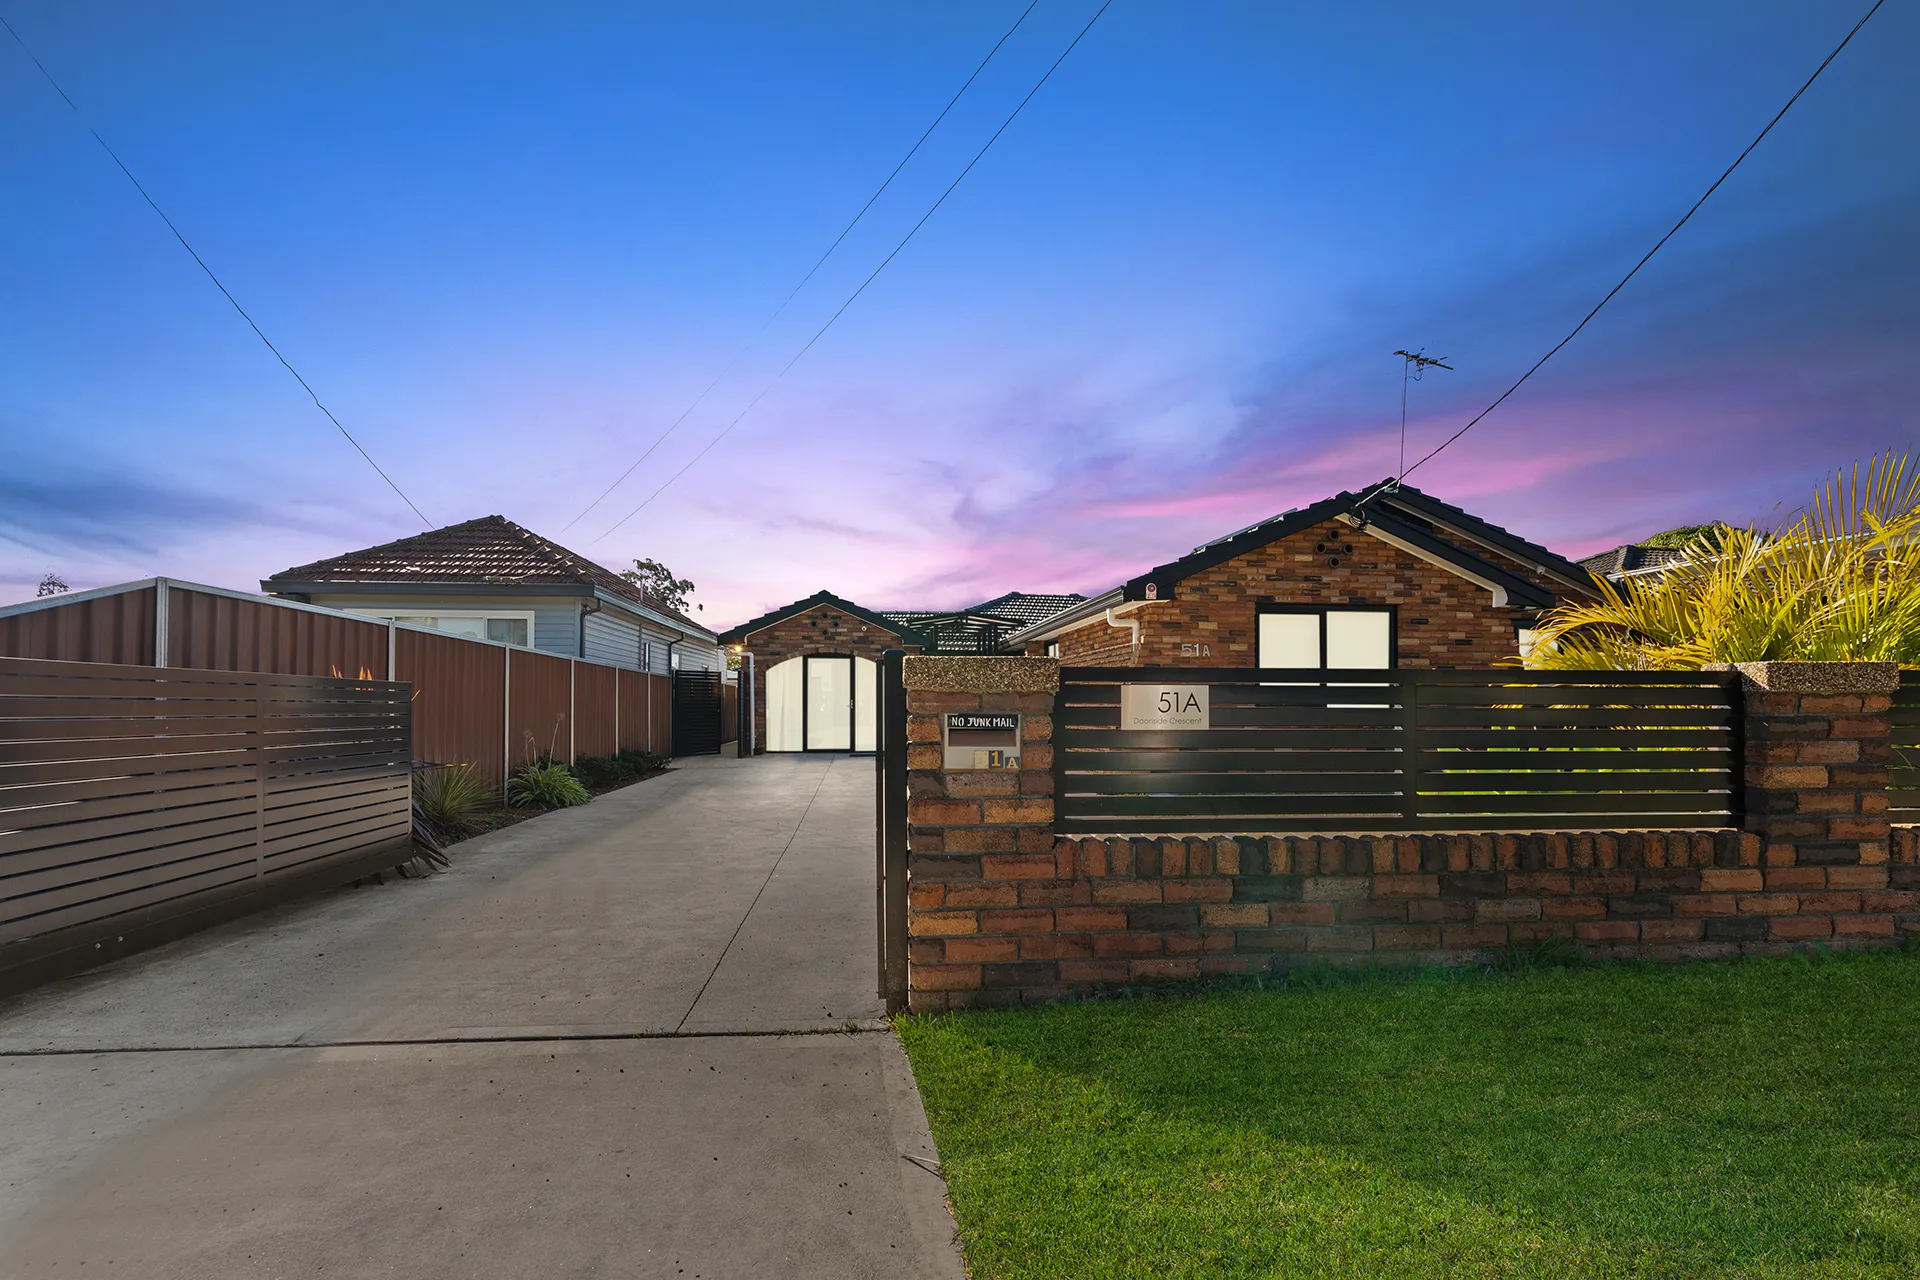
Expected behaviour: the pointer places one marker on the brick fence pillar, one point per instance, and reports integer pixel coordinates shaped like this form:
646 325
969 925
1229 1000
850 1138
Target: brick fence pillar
968 826
1818 743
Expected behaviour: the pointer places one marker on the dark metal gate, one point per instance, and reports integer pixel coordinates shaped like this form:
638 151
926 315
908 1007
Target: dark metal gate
890 829
696 713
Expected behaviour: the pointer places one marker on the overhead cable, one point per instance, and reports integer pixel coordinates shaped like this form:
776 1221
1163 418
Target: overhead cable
851 298
1658 245
225 292
778 311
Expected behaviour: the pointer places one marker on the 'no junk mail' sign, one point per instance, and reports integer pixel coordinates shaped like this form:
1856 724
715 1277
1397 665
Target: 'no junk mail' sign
1165 706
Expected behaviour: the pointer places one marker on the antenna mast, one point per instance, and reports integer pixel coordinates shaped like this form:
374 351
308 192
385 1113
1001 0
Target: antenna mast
1415 363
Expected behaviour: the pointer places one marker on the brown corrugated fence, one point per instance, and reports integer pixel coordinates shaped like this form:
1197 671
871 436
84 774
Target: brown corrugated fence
459 704
466 707
595 709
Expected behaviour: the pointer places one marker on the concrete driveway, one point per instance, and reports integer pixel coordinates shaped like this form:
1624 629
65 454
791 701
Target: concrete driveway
635 1039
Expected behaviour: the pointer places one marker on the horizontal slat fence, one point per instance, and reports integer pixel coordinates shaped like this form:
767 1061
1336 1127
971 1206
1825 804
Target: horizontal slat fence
129 794
1355 751
1904 802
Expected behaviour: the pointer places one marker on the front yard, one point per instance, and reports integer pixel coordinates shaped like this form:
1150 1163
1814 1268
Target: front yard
1753 1119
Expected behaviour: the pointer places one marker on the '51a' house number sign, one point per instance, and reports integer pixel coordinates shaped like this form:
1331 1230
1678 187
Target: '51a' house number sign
1165 706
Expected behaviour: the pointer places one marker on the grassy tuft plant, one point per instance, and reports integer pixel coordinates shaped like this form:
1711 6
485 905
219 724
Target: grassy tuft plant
548 784
1555 951
452 800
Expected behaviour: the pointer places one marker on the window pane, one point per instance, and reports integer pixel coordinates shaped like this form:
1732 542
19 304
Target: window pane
1360 639
1289 639
509 630
476 627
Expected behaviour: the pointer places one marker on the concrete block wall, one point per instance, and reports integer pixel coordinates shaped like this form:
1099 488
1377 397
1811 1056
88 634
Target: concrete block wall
997 915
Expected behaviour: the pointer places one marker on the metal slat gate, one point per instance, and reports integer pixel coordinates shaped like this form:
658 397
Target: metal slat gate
696 713
1352 751
890 830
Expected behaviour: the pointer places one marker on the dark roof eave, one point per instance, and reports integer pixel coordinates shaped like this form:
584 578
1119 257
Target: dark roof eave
1164 577
427 586
1521 592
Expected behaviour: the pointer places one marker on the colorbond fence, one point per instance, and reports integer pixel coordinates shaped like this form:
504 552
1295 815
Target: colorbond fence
1904 798
1358 751
131 796
475 702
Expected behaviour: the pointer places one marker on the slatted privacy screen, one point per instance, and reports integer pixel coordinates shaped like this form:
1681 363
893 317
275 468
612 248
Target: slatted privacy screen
1904 802
1355 751
133 793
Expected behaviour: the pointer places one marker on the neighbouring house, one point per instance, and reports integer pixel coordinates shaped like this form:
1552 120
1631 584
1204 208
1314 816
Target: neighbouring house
813 661
493 579
1400 579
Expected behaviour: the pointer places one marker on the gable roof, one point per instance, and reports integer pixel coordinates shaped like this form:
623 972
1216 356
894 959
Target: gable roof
1404 514
1398 514
891 625
490 551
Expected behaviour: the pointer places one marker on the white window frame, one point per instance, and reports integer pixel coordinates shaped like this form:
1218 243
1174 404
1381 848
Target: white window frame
432 611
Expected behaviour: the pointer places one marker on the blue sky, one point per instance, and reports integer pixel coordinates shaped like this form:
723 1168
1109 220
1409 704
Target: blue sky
509 246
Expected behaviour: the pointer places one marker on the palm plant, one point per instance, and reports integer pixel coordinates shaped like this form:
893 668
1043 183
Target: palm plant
1841 583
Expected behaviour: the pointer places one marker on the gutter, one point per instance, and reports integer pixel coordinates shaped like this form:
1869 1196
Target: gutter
1131 625
1070 619
580 624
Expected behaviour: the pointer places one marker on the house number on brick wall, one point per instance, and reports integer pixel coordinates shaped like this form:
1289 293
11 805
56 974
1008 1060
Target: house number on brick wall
1188 650
982 740
1165 706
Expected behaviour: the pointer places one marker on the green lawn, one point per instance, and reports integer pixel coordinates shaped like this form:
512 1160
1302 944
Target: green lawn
1759 1118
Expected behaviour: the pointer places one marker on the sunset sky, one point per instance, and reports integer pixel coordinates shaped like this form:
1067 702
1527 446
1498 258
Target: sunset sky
508 246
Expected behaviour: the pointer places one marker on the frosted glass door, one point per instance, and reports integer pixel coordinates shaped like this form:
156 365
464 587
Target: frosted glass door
866 702
829 704
786 705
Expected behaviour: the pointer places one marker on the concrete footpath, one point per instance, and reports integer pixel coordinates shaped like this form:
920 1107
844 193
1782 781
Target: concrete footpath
635 1039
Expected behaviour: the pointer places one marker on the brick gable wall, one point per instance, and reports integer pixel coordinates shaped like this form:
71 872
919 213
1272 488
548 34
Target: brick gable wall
1444 620
821 630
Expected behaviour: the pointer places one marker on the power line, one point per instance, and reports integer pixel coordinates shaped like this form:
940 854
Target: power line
851 298
209 270
1643 261
734 359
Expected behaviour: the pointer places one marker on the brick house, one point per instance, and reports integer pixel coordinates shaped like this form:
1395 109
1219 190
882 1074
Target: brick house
814 660
1398 580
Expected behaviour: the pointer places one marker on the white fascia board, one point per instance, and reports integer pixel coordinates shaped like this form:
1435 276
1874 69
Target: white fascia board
1438 562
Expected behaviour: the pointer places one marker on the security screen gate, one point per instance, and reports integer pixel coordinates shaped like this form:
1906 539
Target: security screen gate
696 713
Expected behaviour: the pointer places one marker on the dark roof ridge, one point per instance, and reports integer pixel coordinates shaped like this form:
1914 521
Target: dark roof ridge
739 633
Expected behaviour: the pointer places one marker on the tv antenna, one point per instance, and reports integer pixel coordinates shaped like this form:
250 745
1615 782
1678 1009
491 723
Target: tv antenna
1415 363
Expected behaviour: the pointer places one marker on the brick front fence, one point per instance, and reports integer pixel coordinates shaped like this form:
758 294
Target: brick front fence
1004 911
